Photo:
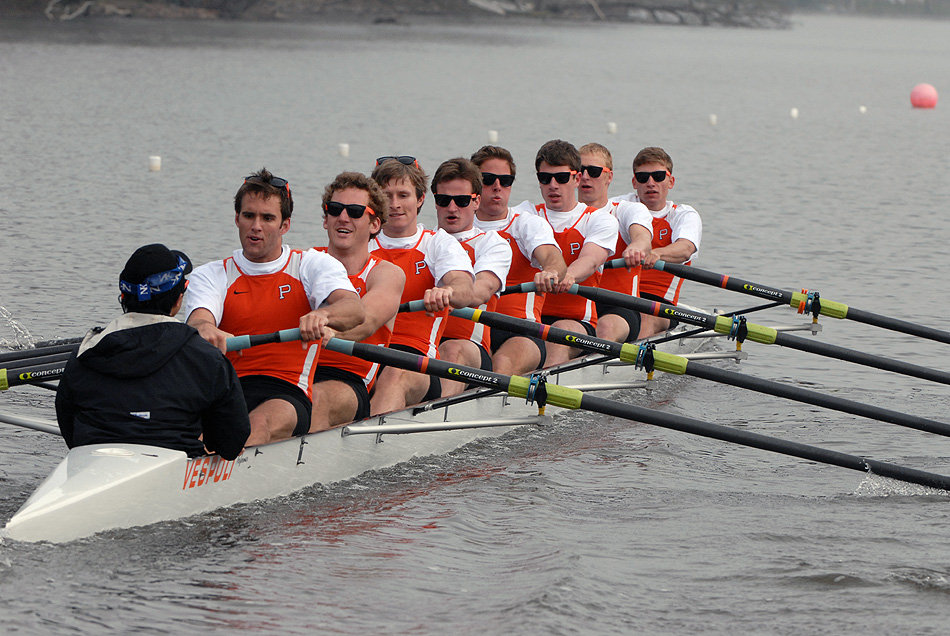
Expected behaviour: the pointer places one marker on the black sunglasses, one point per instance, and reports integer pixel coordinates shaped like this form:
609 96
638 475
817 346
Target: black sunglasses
658 175
489 178
406 160
277 182
461 200
544 178
353 210
593 171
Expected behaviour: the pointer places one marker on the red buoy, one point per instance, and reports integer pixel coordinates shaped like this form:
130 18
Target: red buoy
923 96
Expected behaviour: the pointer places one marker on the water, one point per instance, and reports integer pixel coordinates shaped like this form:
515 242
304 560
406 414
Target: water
596 525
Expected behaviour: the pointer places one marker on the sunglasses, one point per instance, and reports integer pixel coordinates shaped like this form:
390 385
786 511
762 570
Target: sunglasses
353 210
544 178
593 171
489 178
658 175
277 182
405 160
461 200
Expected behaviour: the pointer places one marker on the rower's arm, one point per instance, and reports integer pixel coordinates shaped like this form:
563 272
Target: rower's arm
342 310
553 267
203 320
384 287
486 285
455 290
679 251
639 247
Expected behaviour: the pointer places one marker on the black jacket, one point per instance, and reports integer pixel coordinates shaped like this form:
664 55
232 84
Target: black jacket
159 384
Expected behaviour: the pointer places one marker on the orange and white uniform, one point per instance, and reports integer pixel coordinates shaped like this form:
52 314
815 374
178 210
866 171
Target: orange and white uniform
254 298
525 232
425 257
627 213
488 252
363 368
673 222
572 230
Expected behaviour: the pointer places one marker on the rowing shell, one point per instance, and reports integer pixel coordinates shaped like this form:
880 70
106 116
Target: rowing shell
108 486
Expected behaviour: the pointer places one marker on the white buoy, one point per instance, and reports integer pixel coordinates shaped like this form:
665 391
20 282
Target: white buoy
862 109
612 127
344 150
713 120
794 113
493 136
154 163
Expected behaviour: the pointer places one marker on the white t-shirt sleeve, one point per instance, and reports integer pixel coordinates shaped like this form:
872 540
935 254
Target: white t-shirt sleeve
632 213
207 289
533 232
686 223
493 254
602 229
447 255
322 275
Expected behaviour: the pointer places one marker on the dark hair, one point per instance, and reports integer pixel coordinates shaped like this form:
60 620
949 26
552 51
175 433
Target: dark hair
652 154
458 168
558 152
260 183
485 153
148 272
377 200
393 170
160 304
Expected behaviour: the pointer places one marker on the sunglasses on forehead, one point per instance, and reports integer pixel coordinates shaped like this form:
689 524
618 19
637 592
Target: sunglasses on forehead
461 200
277 182
353 210
544 178
489 178
405 160
593 171
658 175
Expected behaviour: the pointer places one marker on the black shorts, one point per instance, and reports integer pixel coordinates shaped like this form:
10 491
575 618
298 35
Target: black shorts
484 357
589 328
631 316
659 299
260 388
350 379
435 385
500 337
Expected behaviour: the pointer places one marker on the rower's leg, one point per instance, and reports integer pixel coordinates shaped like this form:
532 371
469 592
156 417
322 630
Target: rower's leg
651 325
271 421
396 389
454 351
334 403
517 356
559 354
612 327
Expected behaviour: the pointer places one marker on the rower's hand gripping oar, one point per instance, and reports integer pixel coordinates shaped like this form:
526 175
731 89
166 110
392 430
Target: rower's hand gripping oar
734 327
645 356
568 398
802 301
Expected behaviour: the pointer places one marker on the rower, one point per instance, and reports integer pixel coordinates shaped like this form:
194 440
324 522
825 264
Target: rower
677 231
265 287
619 324
456 188
438 271
536 257
354 212
587 237
149 379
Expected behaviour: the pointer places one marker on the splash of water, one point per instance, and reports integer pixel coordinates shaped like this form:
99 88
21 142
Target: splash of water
21 336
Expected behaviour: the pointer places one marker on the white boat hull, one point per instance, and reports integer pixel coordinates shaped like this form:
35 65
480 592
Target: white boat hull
108 486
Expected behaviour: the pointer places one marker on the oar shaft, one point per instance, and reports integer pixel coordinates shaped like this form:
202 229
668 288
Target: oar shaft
28 375
30 354
53 358
763 442
31 423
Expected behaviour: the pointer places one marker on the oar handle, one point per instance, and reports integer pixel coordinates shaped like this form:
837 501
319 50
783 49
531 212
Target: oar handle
412 305
236 343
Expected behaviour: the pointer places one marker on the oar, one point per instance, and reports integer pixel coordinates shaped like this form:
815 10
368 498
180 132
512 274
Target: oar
754 332
236 343
799 300
645 356
31 423
52 358
29 354
568 398
30 374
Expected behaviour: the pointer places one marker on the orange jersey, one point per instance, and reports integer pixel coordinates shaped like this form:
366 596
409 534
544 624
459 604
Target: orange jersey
270 302
525 306
363 368
571 241
656 282
460 328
